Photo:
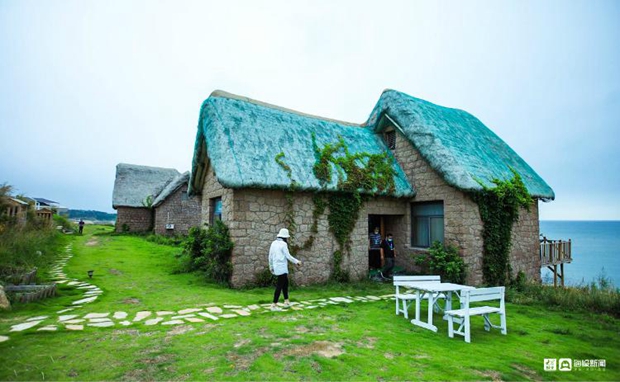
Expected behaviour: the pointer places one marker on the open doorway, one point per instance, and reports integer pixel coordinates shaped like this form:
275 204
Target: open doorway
384 224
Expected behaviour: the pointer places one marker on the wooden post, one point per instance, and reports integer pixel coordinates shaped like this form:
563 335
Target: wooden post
562 276
555 275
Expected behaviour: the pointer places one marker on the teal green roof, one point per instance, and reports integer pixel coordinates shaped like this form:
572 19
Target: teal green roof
456 144
241 139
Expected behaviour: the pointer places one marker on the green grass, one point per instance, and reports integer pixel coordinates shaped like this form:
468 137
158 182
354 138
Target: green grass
372 343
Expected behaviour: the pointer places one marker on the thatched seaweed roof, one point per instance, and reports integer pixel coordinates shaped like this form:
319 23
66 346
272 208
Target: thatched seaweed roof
240 138
174 185
456 144
134 184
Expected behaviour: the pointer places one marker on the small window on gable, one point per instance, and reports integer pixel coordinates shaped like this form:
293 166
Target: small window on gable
390 139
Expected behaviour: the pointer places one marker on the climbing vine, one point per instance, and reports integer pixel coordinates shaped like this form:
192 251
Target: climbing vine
371 173
499 210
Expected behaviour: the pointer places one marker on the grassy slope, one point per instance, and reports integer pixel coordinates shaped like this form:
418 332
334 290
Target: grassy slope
375 343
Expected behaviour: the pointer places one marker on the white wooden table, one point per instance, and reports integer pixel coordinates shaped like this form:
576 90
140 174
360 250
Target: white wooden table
432 290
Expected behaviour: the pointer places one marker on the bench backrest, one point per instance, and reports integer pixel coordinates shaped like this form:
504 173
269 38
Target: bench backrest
484 294
400 280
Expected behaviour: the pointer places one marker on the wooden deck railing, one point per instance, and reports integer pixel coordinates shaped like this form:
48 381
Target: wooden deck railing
553 252
553 255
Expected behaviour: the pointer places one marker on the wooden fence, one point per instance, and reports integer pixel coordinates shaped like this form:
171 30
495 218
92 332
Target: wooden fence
553 255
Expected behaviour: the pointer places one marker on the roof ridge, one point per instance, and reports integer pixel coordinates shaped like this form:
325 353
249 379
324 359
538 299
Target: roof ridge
225 94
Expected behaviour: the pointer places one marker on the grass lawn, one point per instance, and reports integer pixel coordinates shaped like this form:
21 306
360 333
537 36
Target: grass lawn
357 341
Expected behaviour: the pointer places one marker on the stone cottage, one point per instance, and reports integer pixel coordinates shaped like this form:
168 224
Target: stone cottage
153 198
249 153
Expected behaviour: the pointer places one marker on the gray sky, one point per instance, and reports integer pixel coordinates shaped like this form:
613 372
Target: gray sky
85 85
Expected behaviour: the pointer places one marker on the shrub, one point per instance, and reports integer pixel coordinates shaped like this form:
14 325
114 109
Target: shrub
64 222
265 279
597 297
445 262
210 251
173 241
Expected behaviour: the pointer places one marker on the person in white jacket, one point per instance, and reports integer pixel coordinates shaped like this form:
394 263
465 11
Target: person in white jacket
279 257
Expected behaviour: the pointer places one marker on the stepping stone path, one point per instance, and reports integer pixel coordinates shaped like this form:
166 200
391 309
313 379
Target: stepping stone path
209 312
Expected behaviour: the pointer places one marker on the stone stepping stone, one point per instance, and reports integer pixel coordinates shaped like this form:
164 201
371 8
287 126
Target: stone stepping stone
173 322
39 318
153 321
208 316
190 310
88 287
48 328
386 296
93 293
215 310
297 308
96 315
120 315
194 319
242 312
125 323
98 320
61 281
102 324
303 302
4 338
232 306
141 315
74 321
24 326
85 301
311 307
67 317
73 283
341 299
229 315
164 313
74 327
374 298
183 316
256 307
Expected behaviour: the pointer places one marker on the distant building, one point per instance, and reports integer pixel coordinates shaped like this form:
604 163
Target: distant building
16 210
153 198
440 155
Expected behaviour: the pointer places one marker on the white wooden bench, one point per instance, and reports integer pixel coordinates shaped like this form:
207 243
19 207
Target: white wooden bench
405 299
462 316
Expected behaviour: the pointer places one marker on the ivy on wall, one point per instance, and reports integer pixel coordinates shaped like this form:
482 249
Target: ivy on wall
372 173
499 210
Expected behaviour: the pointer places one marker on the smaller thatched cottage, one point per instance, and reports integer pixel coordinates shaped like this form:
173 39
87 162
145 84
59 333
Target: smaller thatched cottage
153 198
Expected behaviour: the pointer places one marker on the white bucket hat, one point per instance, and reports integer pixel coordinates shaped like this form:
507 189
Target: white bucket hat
284 233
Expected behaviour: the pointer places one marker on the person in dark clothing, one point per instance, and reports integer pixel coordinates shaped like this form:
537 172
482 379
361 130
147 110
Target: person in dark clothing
388 253
374 249
81 226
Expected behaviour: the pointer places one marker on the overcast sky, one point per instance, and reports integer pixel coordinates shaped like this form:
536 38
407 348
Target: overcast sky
85 85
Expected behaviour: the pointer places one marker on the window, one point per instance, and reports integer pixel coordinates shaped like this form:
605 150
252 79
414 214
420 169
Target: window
390 139
216 210
184 196
426 224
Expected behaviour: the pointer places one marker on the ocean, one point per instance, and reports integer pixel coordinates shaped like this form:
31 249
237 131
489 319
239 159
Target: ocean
595 249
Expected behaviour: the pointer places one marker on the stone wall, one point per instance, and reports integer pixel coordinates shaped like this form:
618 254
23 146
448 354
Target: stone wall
178 209
213 189
462 223
136 219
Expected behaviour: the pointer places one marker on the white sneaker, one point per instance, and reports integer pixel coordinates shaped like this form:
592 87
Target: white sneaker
287 305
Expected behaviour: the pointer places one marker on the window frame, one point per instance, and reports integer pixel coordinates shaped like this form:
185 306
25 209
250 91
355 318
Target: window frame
428 218
212 208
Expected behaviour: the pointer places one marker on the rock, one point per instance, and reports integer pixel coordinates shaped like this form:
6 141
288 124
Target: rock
120 315
96 315
164 313
4 302
24 326
142 315
191 310
48 328
153 321
4 338
194 319
67 317
241 312
86 300
208 316
102 324
214 309
75 327
174 322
